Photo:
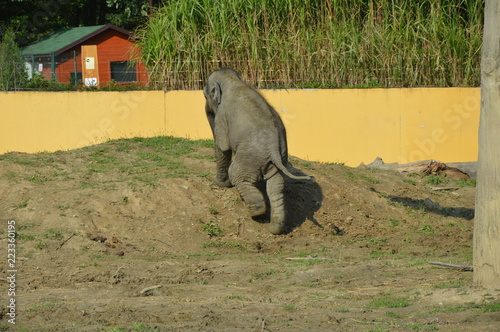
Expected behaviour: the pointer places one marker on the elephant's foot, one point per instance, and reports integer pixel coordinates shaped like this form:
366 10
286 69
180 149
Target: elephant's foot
222 183
276 228
257 208
252 197
277 224
275 187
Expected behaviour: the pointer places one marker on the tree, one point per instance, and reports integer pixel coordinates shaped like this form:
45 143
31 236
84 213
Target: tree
128 14
487 221
34 19
12 70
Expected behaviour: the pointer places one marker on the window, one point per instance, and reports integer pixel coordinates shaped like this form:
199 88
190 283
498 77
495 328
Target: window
75 78
123 72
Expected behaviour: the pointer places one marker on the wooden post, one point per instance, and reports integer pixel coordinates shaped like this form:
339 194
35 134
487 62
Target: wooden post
90 67
487 220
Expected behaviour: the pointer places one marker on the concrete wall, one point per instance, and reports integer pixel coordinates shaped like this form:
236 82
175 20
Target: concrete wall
349 126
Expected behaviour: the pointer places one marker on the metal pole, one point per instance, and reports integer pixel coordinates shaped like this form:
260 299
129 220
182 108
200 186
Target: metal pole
75 81
53 65
32 66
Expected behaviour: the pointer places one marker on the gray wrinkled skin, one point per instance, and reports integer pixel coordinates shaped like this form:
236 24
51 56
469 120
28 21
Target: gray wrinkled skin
250 144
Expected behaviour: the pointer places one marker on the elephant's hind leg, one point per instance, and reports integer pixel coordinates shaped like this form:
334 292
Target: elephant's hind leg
244 179
253 198
274 187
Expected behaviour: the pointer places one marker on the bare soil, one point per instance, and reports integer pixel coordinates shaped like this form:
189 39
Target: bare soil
132 235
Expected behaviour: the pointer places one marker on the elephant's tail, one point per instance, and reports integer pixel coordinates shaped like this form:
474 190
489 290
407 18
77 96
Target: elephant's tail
279 164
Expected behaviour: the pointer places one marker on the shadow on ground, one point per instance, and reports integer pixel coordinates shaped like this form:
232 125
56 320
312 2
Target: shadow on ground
429 205
302 200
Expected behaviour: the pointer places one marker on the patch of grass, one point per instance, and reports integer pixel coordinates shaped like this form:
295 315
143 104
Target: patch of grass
206 175
394 315
416 213
97 257
422 327
376 253
410 181
212 229
269 272
393 222
213 210
136 327
318 296
427 230
136 161
491 307
466 183
360 176
236 297
22 204
23 227
19 159
305 164
378 241
450 284
42 306
224 244
42 245
25 237
204 143
387 301
53 234
174 146
437 179
11 176
453 308
103 155
83 266
149 180
290 307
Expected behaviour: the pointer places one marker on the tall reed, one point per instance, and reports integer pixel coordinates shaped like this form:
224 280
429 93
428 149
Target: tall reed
315 43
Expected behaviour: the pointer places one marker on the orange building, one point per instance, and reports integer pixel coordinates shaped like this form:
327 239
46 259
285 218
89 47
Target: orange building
108 55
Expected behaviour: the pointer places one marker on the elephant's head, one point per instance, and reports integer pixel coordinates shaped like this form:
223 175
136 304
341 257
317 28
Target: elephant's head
213 96
217 83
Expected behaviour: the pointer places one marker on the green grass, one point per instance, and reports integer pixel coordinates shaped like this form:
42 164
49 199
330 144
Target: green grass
136 161
360 176
22 204
410 181
268 273
212 229
53 234
466 183
387 301
315 44
236 297
437 179
136 327
42 305
450 284
224 244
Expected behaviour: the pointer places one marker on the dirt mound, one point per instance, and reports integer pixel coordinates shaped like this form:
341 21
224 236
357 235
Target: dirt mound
132 235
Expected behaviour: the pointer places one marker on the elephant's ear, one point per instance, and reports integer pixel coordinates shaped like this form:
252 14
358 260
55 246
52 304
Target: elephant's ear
217 93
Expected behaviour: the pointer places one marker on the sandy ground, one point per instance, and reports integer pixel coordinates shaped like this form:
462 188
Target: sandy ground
130 236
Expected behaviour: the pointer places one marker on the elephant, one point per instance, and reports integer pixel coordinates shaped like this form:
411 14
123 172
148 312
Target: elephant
250 145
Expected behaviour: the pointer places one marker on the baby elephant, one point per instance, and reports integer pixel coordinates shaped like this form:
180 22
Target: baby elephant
250 144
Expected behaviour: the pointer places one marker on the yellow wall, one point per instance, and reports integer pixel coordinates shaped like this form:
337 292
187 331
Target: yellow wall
350 126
